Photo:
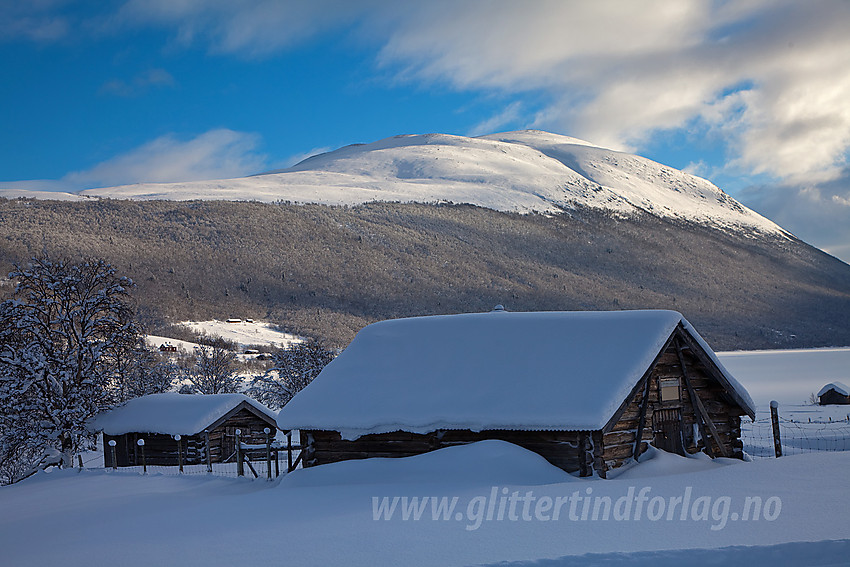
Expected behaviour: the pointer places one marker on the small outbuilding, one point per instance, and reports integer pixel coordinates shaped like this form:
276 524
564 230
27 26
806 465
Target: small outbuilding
834 393
205 423
586 390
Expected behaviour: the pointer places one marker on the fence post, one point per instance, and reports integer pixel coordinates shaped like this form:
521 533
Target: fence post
179 453
268 431
112 449
208 449
80 460
774 418
289 451
141 444
240 468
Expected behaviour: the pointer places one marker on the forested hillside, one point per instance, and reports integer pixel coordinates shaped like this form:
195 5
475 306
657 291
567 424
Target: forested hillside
327 271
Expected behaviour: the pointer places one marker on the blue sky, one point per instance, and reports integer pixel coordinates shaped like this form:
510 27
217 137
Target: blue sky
751 94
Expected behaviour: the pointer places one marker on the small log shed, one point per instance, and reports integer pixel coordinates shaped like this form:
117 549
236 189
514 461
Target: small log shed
834 393
586 390
204 423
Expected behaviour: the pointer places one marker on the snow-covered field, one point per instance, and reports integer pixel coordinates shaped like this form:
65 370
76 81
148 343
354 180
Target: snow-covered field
337 515
787 376
790 377
485 504
244 332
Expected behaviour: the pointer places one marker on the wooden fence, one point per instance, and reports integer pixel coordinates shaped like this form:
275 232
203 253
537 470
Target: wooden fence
257 460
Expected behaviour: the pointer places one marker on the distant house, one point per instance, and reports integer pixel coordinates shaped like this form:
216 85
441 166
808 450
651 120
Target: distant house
167 347
834 393
586 390
204 423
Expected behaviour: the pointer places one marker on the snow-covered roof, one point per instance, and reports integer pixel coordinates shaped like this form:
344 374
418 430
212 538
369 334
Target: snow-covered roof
837 386
172 414
498 370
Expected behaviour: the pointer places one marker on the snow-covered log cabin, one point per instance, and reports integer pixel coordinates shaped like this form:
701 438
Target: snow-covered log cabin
203 422
834 393
575 387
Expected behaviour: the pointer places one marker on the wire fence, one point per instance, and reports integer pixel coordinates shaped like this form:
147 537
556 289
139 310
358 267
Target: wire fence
795 436
255 465
252 468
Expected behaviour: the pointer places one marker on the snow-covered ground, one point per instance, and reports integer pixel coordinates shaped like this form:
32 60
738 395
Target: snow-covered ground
156 341
787 376
37 194
485 504
508 506
790 377
244 332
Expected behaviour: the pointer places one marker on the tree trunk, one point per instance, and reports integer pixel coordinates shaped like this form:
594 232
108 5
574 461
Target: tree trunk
67 451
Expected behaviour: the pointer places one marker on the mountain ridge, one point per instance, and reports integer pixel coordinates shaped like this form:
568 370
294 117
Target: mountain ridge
342 239
525 171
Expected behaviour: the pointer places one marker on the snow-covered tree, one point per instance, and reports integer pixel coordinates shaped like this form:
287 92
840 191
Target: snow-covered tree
139 371
214 371
293 368
60 337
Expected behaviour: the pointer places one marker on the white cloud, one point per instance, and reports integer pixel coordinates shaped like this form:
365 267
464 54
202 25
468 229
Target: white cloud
818 213
41 21
619 71
52 185
771 76
509 115
248 27
215 154
296 159
151 78
698 168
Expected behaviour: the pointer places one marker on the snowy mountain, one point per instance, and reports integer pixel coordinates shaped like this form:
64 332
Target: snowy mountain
638 235
527 171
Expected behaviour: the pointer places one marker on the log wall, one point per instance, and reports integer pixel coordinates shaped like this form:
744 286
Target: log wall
833 397
572 451
577 451
161 449
619 443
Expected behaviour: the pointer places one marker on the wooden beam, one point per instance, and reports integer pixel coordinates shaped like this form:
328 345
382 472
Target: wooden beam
609 426
582 454
715 372
295 464
642 419
703 417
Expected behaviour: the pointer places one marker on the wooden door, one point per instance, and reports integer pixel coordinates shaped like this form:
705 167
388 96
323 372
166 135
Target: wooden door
228 443
667 429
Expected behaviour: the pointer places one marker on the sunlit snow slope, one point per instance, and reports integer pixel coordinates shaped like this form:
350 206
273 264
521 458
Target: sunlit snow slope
516 171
